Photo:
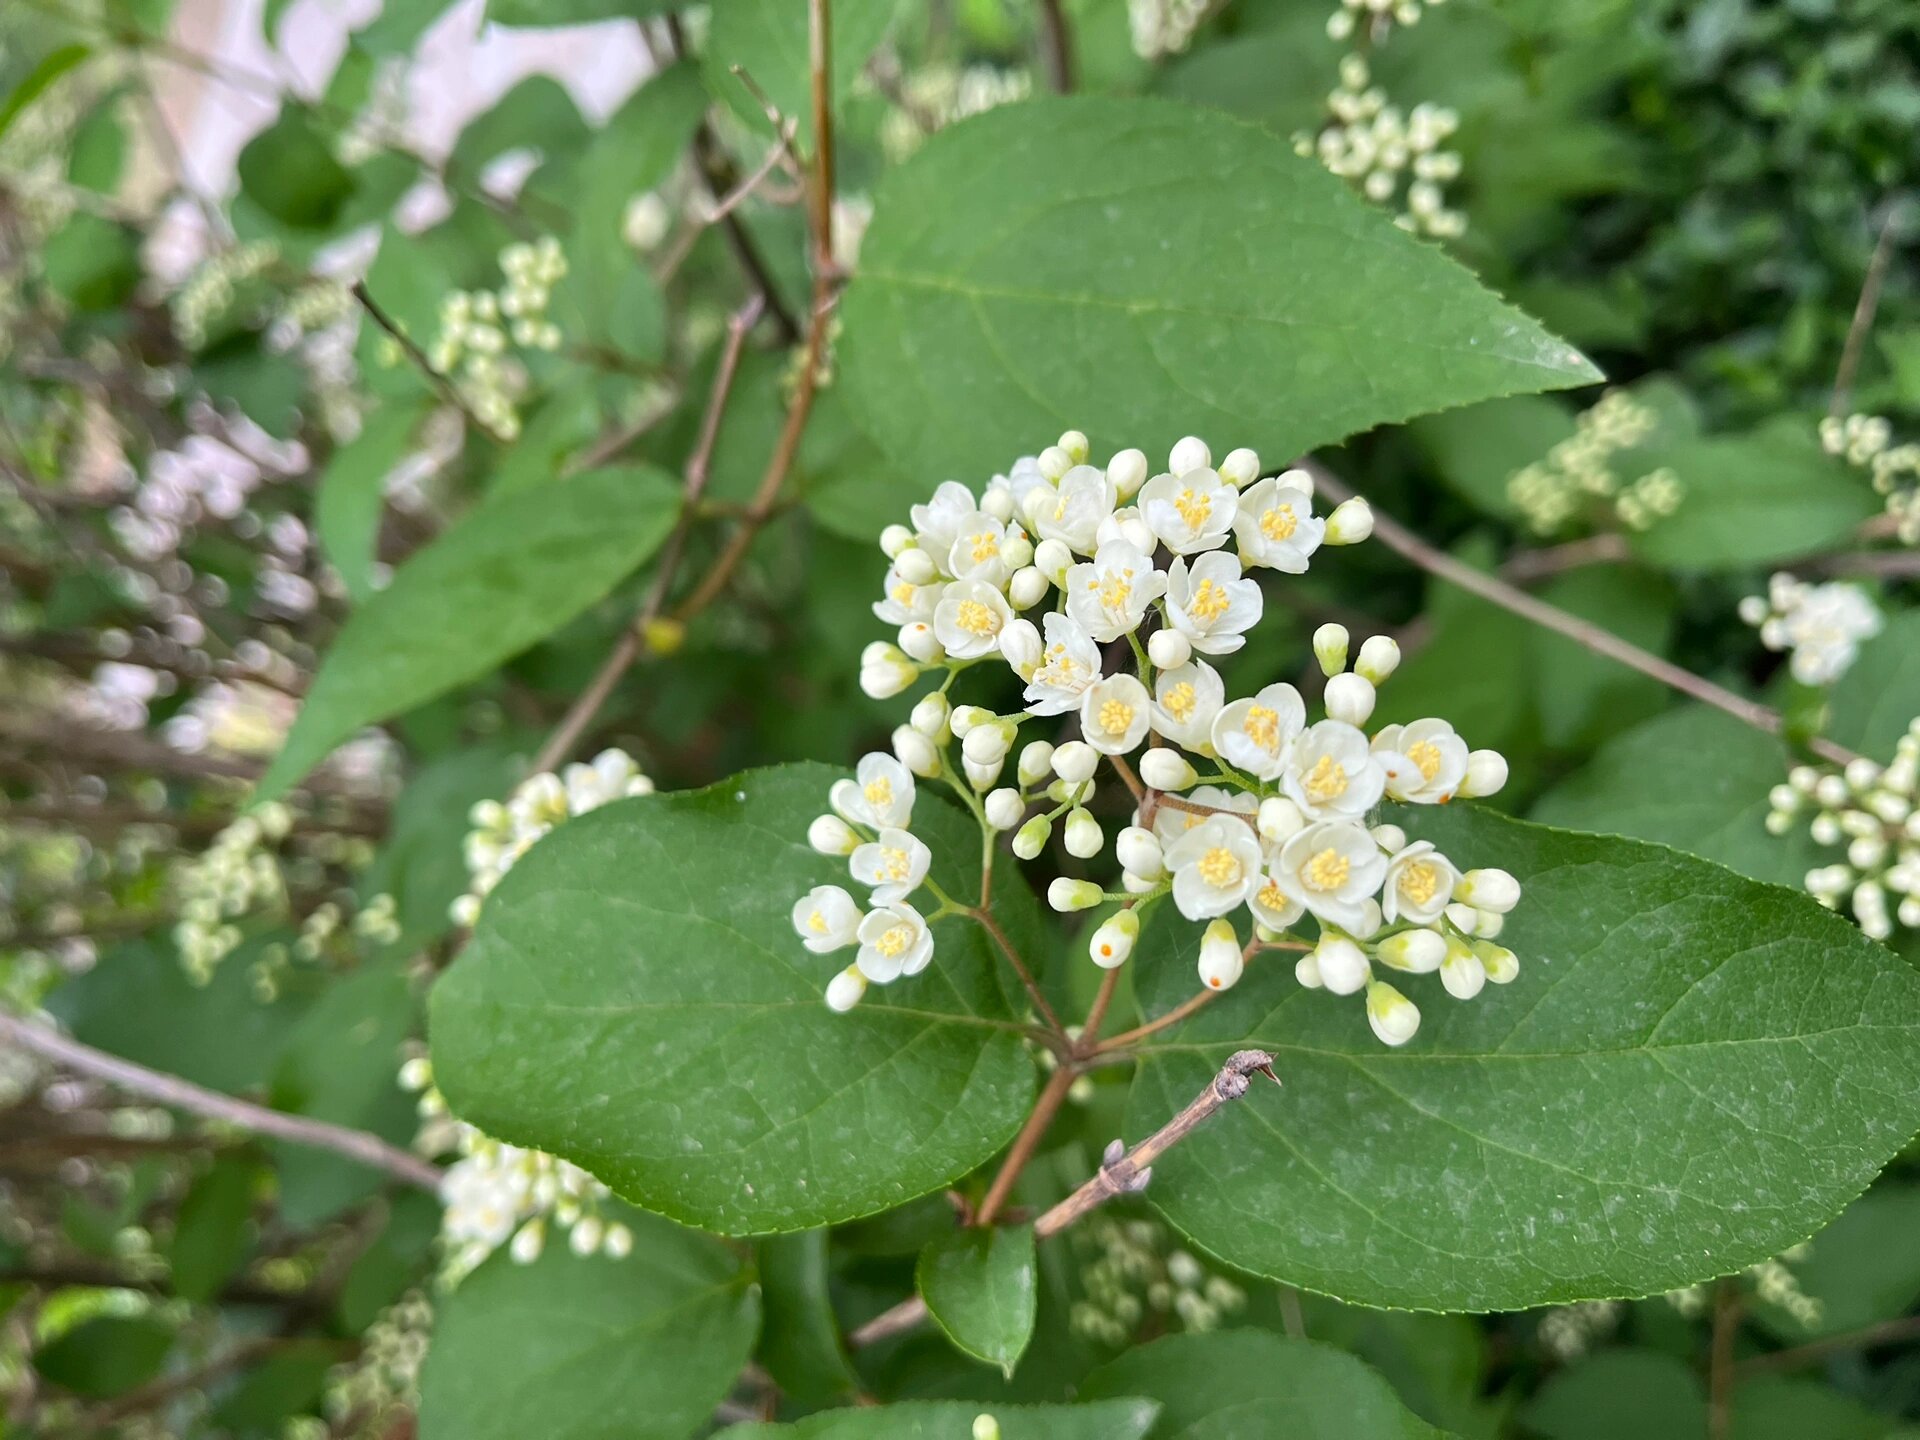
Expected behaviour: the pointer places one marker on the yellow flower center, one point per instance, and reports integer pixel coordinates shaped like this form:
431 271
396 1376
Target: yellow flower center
1419 882
977 619
1219 867
1263 728
817 923
893 940
1209 602
879 793
1115 717
1115 589
1181 701
1326 781
1426 755
1271 897
893 865
1326 871
1194 507
986 545
903 592
1279 523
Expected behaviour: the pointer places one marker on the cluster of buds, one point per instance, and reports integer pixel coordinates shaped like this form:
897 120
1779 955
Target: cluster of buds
1577 480
1569 1331
1870 809
502 833
497 1194
1773 1282
1132 1272
1279 829
210 292
1866 441
1821 625
1388 155
1378 16
236 875
377 1392
1164 27
475 327
936 94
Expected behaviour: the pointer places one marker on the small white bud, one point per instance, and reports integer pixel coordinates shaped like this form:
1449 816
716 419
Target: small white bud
830 835
1349 524
1075 761
1190 453
1221 964
1379 658
1390 838
1394 1018
916 752
1113 941
916 566
1462 972
528 1241
1169 649
1494 890
998 502
1031 838
895 540
1418 952
1128 472
1075 444
1306 970
988 744
1486 774
920 643
1004 807
845 989
1502 965
1280 819
1139 853
1028 587
1054 463
1036 762
587 1233
962 718
1067 895
1083 835
929 715
1330 647
1349 697
1162 768
885 671
619 1242
1021 647
985 1427
1241 467
1069 792
1343 964
982 776
1053 559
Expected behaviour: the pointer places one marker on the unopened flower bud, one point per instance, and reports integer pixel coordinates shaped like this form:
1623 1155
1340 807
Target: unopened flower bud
1052 558
845 989
1113 941
1139 853
919 642
1486 775
1128 472
1067 895
1028 587
916 566
982 776
1031 838
1394 1018
1349 697
1083 835
1379 658
1280 819
528 1241
894 540
985 1427
916 752
1169 649
619 1242
1163 768
1390 838
1075 761
988 744
1190 453
1349 524
885 671
830 835
1418 952
1036 762
1502 965
1462 972
1221 964
962 718
1306 970
1343 964
929 716
1004 808
1021 647
1494 890
1330 647
1075 444
1241 467
998 502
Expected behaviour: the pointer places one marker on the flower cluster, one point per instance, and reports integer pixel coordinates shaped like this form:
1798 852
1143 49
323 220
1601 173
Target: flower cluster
497 1194
1164 27
1870 809
376 1393
236 875
1822 625
475 327
1390 155
1131 1270
210 293
1279 829
1378 16
935 95
501 834
212 473
1866 441
1577 479
1773 1282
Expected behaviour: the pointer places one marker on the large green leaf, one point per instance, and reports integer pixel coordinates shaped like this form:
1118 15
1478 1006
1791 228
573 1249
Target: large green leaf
210 1231
1877 699
1140 271
982 1288
634 998
800 1342
51 67
640 1348
1651 1396
1692 1072
1235 1385
351 494
542 13
507 575
953 1420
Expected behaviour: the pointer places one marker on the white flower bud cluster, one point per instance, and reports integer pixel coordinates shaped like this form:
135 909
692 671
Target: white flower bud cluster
1569 1331
1577 480
1866 441
935 95
475 326
1281 829
1378 16
1131 1272
1822 625
1773 1282
237 874
502 833
210 291
1870 810
377 1391
1164 27
497 1194
1389 155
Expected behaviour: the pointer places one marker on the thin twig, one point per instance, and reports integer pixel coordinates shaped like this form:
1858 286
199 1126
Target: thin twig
987 922
1097 1012
1863 312
1403 542
820 66
369 1150
1174 1016
1056 46
669 264
1607 548
1052 1096
1720 1375
1887 1332
418 359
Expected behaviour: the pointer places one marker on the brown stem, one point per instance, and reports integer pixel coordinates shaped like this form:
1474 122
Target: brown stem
1887 1332
1608 548
1186 1007
1052 1096
418 359
369 1150
1097 1012
992 926
1720 1373
1863 312
820 71
1056 46
1125 772
1403 542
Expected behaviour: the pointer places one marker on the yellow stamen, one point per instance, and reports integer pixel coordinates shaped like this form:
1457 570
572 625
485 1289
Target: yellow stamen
1219 867
879 793
1326 781
1279 523
1326 871
1426 755
817 923
1419 882
1263 728
1194 507
1115 717
1180 702
977 619
895 939
1271 896
1209 602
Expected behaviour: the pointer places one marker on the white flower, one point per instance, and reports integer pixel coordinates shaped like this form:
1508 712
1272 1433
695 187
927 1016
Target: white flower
937 524
1185 701
1021 648
1110 596
1012 489
1114 714
1419 884
894 941
1349 697
1162 768
1221 961
1275 523
1169 649
1069 664
980 550
894 865
1072 513
1425 761
880 796
1331 774
826 919
1253 735
1822 625
1210 604
1215 865
1341 964
969 619
1272 906
1333 868
1190 512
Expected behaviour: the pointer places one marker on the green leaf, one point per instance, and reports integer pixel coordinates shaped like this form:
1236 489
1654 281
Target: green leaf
1692 1072
634 998
107 1355
352 493
91 262
800 1340
1141 271
981 1288
1877 699
1657 1397
290 172
953 1420
594 1348
1582 697
507 575
288 1382
768 40
1239 1383
1478 448
52 66
210 1232
542 13
539 113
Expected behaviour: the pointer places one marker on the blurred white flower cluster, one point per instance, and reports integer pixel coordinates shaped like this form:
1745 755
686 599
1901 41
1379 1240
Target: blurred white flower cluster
1164 27
1372 20
1577 481
212 473
502 833
1132 1274
374 1395
935 95
496 1194
1866 441
1773 1282
1821 625
1870 809
1144 578
209 293
1389 155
